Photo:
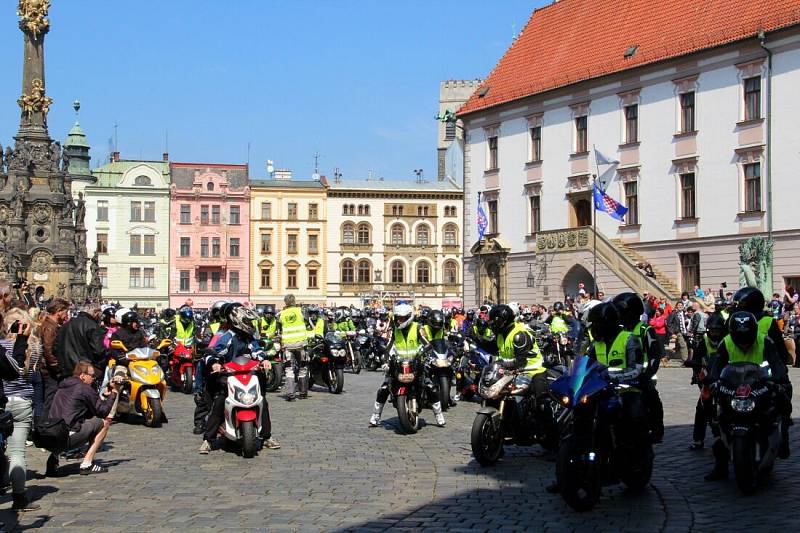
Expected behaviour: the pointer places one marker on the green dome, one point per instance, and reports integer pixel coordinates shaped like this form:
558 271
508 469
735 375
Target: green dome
76 137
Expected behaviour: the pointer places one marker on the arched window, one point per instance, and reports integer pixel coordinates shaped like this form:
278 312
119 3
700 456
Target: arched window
366 210
450 273
348 271
398 271
360 209
363 233
450 235
142 180
423 235
210 186
423 272
348 234
364 271
398 234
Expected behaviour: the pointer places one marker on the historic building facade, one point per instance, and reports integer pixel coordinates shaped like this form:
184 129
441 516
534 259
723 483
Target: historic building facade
209 233
288 239
392 240
703 130
128 223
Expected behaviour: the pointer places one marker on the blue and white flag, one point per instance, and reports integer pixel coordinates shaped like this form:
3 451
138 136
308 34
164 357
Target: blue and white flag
606 169
603 202
483 222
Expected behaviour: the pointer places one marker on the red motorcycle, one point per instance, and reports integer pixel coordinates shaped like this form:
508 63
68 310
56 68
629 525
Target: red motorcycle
181 366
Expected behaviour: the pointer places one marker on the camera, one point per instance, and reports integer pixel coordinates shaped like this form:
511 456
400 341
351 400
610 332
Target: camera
724 284
14 327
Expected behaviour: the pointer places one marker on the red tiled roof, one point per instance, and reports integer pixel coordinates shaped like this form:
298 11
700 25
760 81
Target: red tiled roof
575 40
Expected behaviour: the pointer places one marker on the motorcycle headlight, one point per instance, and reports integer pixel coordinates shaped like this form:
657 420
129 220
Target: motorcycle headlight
442 363
342 353
743 405
247 397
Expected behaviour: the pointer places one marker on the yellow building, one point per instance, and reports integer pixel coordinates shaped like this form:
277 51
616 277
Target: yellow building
287 240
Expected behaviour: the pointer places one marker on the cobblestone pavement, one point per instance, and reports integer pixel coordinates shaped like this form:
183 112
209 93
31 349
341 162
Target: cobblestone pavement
333 473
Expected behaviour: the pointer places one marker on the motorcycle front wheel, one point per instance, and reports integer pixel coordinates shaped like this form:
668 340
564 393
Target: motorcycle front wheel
486 440
744 464
356 361
153 413
249 440
409 420
444 391
274 377
578 483
188 380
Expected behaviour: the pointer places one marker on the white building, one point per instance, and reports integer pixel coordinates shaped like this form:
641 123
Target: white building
682 94
394 240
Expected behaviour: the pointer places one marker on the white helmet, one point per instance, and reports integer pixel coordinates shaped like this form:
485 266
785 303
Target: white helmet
120 313
403 315
514 307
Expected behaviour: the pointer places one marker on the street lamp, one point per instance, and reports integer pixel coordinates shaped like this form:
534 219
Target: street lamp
531 280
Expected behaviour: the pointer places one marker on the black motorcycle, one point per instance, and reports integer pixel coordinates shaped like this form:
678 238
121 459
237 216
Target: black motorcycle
510 415
408 393
373 350
328 356
439 366
749 421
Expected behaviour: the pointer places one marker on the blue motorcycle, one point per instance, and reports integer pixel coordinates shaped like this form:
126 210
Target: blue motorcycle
470 365
599 446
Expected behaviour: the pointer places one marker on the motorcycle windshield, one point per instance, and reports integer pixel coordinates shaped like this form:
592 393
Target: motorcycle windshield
439 347
737 374
584 378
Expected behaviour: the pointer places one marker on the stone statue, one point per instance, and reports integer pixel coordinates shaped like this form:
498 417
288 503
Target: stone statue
5 261
16 263
18 201
69 204
80 210
65 161
94 267
61 289
33 16
755 264
55 156
36 101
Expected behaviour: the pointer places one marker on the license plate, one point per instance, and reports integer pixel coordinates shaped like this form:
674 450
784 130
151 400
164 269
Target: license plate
406 378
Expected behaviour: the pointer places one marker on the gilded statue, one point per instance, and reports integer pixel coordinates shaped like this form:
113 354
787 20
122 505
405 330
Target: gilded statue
33 15
36 101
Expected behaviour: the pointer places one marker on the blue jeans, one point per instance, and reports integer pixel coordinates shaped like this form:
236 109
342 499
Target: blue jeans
199 367
38 395
22 411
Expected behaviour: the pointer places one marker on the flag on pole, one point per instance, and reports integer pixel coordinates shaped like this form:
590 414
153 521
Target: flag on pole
483 222
606 169
603 202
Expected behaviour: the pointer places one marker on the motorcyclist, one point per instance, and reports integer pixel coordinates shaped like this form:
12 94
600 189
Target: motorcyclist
109 324
559 321
384 325
407 339
184 326
469 320
746 344
482 334
435 328
315 324
129 333
752 300
166 324
516 349
342 321
240 340
267 324
631 308
293 335
703 358
620 351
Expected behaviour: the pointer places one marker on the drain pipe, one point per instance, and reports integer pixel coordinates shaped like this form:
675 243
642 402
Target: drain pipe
768 102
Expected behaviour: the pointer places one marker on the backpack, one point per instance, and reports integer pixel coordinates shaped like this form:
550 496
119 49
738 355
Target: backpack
51 434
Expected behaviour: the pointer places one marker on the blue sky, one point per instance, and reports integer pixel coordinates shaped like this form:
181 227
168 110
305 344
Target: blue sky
356 81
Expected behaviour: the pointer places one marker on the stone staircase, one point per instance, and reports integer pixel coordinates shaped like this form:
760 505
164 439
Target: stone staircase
669 288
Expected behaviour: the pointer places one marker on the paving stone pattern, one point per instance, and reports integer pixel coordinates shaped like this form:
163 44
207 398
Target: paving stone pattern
335 474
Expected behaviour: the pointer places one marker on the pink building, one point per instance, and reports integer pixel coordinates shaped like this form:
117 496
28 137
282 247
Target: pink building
209 234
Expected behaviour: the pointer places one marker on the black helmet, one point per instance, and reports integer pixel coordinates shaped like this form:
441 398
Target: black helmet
186 314
471 315
720 304
107 314
749 299
500 317
168 313
481 324
436 320
630 308
604 322
716 328
424 313
129 318
744 328
225 312
558 307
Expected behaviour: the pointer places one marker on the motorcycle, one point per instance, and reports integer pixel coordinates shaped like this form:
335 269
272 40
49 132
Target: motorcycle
407 391
597 446
750 423
243 404
328 359
509 415
353 354
272 348
373 350
469 369
558 348
439 366
145 387
181 367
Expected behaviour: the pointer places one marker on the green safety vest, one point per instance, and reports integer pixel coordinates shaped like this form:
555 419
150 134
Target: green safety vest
430 335
764 323
318 329
267 330
183 334
559 325
640 331
754 355
407 346
345 325
725 314
505 349
616 357
487 336
214 326
293 327
453 324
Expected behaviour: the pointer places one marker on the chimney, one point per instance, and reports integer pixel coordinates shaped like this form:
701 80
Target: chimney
165 156
115 157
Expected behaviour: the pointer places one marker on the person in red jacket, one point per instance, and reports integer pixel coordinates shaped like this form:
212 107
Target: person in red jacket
659 324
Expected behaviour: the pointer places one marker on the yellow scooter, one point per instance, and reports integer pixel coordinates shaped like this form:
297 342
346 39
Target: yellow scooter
145 386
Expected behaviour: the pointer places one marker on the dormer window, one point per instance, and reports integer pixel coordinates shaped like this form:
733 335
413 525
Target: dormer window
142 181
210 186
